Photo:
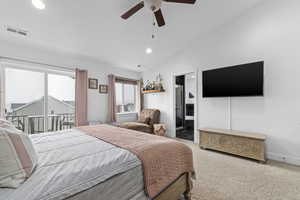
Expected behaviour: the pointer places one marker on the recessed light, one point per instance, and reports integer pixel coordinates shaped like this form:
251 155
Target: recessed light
39 4
148 51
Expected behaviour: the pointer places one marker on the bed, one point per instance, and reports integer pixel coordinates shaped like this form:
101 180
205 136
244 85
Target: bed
76 165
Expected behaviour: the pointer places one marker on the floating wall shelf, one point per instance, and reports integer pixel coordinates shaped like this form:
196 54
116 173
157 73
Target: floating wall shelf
152 91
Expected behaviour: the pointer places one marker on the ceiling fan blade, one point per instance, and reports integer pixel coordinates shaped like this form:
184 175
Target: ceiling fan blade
181 1
133 10
159 18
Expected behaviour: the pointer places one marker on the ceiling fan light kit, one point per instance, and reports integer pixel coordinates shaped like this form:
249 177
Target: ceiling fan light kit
155 7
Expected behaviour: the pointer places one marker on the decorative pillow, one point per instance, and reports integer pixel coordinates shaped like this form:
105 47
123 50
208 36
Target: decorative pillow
17 156
6 124
145 120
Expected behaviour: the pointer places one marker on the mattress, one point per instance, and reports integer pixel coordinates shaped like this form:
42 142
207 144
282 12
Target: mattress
73 165
125 186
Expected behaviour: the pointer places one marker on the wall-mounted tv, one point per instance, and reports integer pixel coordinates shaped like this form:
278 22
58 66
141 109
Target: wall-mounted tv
240 80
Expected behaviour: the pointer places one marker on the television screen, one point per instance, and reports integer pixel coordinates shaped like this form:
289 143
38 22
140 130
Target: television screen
240 80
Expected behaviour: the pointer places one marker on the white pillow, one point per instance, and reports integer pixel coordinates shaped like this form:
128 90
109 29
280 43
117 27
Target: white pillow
17 156
6 124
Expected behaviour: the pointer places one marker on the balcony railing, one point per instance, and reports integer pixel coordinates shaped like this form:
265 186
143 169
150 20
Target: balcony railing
33 124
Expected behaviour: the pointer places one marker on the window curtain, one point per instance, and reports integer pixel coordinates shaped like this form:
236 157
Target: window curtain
111 99
81 92
2 100
140 97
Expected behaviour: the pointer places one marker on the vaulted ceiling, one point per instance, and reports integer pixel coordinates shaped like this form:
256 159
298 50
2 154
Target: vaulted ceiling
94 28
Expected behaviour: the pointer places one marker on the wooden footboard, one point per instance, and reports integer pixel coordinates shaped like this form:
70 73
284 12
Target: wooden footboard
181 186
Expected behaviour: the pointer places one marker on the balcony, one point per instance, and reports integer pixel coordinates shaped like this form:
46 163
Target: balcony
34 124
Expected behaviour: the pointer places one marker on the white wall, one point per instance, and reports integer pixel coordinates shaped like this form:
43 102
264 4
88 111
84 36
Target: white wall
269 32
97 103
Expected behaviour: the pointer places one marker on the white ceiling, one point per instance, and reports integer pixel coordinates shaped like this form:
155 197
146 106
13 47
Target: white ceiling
94 28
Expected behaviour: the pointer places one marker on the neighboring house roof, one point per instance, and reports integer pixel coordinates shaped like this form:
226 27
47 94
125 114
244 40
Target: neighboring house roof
14 106
63 102
40 99
72 103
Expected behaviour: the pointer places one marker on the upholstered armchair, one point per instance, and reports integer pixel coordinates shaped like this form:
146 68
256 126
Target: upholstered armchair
147 119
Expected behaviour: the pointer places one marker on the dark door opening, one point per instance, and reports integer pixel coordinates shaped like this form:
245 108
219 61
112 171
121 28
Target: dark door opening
185 107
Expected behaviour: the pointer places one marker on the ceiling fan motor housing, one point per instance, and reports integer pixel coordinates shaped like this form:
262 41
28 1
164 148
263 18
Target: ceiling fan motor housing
153 5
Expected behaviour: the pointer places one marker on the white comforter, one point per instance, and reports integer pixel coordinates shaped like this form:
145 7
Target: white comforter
70 162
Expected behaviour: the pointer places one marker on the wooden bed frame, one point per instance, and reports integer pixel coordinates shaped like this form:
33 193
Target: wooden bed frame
181 186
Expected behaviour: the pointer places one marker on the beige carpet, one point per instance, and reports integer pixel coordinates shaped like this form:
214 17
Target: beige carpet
226 177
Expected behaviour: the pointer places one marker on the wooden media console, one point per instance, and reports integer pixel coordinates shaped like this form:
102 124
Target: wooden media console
249 145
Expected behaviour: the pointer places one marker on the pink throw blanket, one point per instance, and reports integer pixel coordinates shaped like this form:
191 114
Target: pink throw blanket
163 159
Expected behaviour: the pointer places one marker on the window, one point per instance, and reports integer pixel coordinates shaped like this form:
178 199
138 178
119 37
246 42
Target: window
39 101
125 97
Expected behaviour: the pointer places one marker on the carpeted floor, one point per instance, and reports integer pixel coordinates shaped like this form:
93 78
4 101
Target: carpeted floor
225 177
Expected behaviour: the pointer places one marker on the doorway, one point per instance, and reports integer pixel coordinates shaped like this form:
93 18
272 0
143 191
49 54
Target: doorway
185 99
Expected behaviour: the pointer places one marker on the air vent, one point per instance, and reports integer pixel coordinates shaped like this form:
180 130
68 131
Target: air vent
9 29
17 31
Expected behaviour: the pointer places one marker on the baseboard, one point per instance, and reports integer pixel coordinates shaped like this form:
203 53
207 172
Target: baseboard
284 158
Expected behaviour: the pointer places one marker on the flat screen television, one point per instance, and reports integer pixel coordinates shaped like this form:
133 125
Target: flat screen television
240 80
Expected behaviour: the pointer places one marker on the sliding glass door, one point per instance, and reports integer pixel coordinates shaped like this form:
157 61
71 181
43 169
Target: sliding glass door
37 101
61 102
24 98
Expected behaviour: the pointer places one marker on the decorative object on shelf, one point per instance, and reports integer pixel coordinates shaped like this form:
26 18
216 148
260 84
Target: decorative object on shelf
93 83
159 85
160 129
191 96
103 89
154 86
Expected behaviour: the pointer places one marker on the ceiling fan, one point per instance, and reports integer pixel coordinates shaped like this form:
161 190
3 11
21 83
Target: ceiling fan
154 6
